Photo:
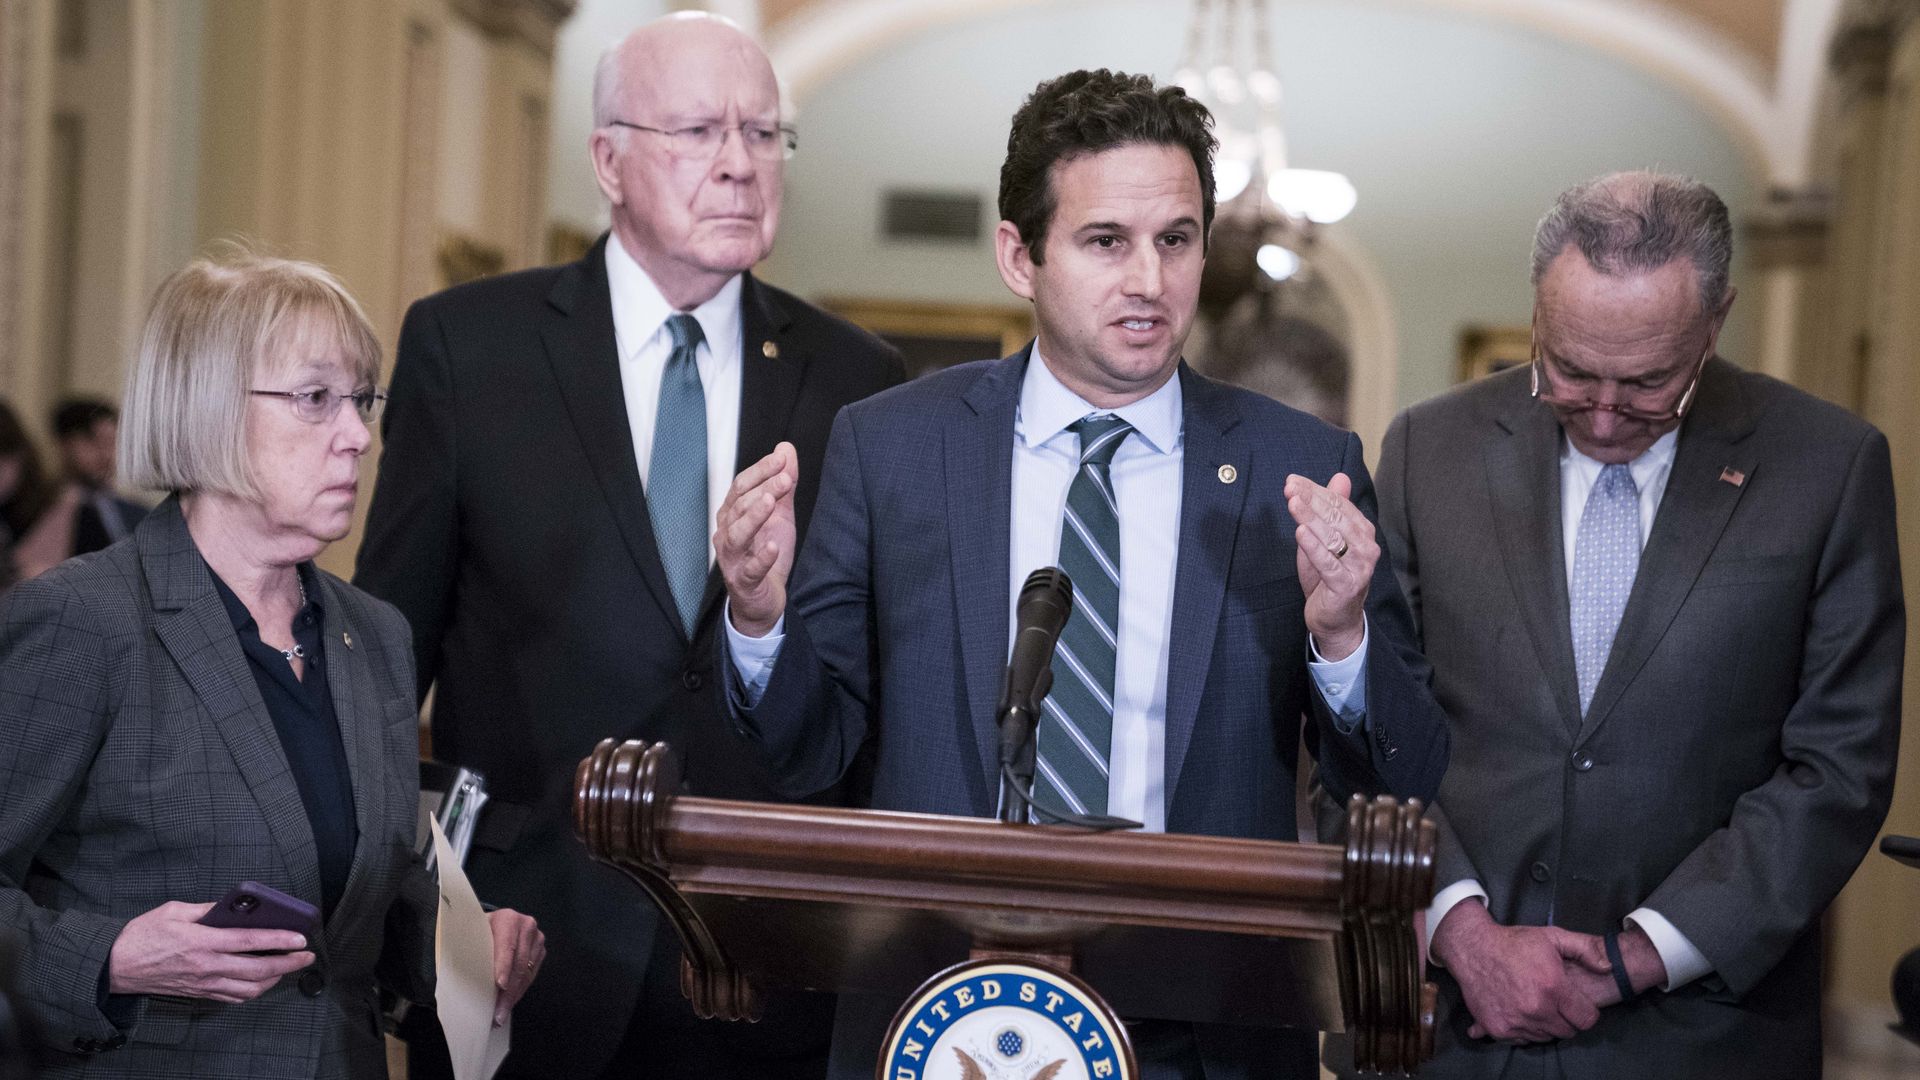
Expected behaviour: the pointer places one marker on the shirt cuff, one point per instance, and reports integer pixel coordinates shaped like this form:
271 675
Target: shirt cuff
1684 962
1342 683
752 658
1443 902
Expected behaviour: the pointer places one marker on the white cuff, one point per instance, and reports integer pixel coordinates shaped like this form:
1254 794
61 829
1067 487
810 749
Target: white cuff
1342 683
1684 962
1443 902
753 657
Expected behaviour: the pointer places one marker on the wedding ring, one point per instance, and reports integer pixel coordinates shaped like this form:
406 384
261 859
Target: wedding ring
1338 547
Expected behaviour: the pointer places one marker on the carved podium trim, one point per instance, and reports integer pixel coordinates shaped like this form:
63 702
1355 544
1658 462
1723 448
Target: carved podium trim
1026 890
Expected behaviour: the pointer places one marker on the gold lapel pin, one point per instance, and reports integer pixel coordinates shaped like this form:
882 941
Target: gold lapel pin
1228 474
1731 475
770 350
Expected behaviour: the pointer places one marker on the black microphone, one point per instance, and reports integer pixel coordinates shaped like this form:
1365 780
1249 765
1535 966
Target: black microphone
1046 600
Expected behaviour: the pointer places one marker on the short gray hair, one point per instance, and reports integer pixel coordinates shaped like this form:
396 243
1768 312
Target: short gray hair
1633 222
217 325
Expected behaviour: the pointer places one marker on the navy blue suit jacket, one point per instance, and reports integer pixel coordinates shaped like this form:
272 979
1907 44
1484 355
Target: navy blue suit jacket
897 634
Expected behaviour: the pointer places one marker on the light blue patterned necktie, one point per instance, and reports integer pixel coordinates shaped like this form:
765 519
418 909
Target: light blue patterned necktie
1606 559
1075 740
677 473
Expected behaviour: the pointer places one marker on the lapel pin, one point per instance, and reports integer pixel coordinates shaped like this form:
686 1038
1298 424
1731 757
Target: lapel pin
1228 474
346 639
1731 475
770 350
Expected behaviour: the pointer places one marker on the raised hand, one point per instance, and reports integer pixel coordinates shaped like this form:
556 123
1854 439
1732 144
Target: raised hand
754 539
1335 553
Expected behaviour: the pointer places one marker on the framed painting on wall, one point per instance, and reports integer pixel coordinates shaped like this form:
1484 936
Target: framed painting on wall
1485 350
932 335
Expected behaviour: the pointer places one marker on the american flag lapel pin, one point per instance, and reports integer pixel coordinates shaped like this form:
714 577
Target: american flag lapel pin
1731 475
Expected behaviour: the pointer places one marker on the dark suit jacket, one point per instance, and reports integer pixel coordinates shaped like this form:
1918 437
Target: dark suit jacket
1738 756
897 633
138 765
510 526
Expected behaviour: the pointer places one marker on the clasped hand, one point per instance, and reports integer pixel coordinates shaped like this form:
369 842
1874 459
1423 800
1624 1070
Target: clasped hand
1532 983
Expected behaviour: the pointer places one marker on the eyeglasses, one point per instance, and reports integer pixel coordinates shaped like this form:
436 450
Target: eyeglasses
702 142
1626 409
322 405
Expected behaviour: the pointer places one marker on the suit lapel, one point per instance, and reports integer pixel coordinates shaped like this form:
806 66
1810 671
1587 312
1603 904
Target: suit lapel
1523 477
586 364
196 631
1209 527
349 682
979 478
1692 516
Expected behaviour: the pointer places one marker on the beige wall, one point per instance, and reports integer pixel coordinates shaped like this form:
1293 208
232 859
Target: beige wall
1876 344
1863 328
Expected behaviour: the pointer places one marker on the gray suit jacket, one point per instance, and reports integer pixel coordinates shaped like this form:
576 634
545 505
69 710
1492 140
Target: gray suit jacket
139 765
1738 755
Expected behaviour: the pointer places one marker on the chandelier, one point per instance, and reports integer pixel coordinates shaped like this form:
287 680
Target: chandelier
1266 207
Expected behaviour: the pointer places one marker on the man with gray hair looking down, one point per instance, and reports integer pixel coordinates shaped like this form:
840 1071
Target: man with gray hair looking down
1661 597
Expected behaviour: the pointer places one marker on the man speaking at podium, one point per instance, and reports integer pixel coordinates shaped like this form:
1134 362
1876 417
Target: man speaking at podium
1227 577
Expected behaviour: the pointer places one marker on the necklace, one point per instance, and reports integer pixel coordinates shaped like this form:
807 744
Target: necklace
298 652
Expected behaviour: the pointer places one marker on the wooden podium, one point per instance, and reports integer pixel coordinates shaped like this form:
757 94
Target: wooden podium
1191 928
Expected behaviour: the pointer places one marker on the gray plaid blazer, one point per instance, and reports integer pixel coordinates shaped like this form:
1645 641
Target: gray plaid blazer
138 765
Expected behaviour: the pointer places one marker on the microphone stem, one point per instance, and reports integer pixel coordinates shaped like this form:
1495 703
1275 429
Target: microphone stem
1016 755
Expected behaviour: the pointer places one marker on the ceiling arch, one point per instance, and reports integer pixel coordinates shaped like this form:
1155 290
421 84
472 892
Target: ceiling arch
1770 113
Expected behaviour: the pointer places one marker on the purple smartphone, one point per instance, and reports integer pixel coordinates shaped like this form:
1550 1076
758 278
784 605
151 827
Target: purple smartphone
253 906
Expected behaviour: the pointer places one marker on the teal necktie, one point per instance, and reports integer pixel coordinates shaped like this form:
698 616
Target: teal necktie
677 475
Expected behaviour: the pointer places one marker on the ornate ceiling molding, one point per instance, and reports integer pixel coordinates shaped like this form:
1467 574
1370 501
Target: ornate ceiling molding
819 40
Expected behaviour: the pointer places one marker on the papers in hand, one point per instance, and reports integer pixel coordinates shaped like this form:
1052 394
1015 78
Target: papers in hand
463 959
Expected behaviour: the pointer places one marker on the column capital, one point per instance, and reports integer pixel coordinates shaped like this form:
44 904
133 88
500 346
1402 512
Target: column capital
1790 230
532 22
1863 44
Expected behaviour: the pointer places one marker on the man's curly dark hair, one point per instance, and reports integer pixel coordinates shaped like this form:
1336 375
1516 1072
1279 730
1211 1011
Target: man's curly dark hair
1086 112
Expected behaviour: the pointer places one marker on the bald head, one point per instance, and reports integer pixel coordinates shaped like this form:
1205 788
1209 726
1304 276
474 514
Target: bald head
688 150
632 69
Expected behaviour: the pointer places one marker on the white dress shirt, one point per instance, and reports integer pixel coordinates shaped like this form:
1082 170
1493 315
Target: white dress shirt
1578 474
1147 480
640 335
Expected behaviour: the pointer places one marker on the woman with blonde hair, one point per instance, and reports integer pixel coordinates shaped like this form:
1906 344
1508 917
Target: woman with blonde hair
198 706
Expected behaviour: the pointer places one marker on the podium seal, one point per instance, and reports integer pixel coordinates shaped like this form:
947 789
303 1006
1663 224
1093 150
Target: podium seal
994 1020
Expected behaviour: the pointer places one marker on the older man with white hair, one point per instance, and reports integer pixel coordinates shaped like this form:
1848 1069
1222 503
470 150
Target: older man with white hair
557 444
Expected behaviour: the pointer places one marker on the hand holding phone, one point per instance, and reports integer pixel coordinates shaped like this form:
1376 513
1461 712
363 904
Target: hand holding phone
253 906
177 950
